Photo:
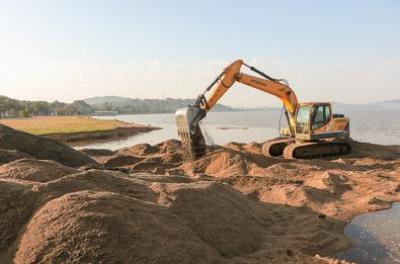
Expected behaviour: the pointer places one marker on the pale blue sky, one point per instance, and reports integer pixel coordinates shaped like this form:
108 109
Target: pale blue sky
345 51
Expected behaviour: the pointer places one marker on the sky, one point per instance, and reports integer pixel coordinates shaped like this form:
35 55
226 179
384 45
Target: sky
341 51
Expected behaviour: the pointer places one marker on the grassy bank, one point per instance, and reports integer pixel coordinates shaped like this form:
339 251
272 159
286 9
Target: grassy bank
44 125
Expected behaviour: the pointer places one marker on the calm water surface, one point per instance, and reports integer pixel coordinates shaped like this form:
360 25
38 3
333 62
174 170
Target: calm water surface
377 237
381 127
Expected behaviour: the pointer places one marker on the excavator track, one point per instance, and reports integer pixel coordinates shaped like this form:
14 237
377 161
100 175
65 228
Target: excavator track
313 150
275 147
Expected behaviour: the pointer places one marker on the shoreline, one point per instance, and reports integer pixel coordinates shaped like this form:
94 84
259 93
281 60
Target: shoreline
82 138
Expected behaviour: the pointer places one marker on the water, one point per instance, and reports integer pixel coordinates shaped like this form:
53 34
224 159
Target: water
242 127
377 237
382 127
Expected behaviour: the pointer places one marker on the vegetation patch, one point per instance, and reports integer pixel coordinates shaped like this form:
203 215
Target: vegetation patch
44 125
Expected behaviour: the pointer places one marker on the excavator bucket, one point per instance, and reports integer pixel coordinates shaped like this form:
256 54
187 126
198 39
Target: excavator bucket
187 122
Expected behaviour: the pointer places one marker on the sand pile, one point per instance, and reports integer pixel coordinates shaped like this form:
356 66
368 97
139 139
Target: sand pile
231 206
11 155
97 152
41 148
35 170
17 202
140 150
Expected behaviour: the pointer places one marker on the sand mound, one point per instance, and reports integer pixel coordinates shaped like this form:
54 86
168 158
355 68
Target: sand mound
253 147
170 146
331 181
11 155
16 206
97 152
228 162
105 227
95 180
154 165
122 160
140 150
35 170
41 148
297 195
362 149
221 224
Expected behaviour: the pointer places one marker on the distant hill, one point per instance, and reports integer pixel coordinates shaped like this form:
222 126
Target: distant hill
125 105
105 99
383 105
389 105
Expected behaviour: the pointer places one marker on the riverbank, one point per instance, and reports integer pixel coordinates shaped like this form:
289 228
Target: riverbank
145 204
76 130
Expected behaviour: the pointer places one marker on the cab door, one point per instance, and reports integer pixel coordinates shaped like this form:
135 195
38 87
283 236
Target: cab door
321 117
303 124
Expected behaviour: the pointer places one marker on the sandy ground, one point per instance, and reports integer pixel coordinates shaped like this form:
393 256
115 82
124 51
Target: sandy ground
144 205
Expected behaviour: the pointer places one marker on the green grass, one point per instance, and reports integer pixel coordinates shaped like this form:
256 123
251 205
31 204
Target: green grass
44 125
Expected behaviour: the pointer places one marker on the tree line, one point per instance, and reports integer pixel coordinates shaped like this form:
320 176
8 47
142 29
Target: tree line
145 106
16 108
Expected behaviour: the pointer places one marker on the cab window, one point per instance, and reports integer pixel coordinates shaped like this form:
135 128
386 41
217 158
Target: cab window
322 116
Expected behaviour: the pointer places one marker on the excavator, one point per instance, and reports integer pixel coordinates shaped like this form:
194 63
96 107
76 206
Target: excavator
313 130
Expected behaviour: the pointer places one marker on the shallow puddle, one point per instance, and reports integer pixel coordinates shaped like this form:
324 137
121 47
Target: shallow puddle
376 236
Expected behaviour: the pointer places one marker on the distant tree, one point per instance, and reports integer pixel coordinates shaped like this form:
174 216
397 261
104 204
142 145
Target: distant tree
107 106
40 108
80 107
3 105
24 113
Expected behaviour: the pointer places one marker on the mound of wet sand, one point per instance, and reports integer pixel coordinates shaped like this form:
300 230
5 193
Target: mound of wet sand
41 148
232 206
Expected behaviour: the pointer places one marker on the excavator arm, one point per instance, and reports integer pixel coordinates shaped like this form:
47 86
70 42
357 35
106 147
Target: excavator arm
232 74
188 118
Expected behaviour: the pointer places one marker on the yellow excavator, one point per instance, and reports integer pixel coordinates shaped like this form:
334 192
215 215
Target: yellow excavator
313 130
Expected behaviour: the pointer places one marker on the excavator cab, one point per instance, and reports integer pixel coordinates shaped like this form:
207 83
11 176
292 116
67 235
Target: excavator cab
315 122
